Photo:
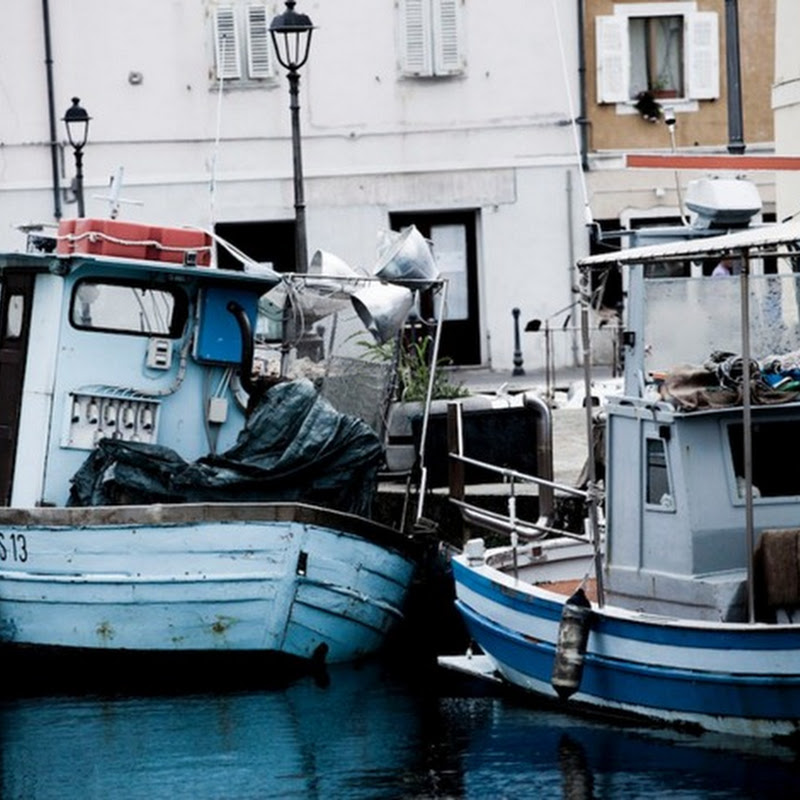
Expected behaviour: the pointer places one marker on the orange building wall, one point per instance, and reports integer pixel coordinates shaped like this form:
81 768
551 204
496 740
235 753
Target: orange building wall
707 127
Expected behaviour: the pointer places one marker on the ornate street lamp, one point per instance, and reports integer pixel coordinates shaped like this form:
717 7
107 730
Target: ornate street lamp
77 123
291 36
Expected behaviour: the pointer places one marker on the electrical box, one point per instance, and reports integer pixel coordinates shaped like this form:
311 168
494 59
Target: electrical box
219 339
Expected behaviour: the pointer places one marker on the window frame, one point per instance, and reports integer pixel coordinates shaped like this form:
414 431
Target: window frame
701 54
178 319
431 38
652 505
252 62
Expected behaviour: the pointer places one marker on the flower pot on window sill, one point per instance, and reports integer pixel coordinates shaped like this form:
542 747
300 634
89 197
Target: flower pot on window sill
664 93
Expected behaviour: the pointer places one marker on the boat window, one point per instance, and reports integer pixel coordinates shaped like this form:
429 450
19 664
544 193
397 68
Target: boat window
773 475
657 489
130 308
14 314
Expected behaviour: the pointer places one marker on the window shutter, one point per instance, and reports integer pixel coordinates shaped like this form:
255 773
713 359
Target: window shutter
702 53
227 41
416 57
259 54
613 59
447 53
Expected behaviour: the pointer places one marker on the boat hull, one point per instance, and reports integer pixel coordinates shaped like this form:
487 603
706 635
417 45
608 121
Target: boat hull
732 678
290 579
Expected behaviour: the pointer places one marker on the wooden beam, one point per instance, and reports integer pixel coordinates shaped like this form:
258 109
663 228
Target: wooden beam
742 163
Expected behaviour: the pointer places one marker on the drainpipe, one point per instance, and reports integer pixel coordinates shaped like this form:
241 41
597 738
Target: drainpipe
733 71
48 60
582 121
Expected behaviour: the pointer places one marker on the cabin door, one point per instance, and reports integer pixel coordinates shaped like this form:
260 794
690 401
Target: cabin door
16 295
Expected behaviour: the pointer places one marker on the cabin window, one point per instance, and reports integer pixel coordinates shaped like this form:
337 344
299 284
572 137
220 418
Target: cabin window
14 316
130 308
657 488
773 475
431 38
669 50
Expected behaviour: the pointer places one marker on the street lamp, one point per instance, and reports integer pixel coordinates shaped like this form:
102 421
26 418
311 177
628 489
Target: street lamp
77 122
291 36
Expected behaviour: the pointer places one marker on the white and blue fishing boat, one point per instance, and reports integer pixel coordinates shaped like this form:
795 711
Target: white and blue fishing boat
189 453
679 601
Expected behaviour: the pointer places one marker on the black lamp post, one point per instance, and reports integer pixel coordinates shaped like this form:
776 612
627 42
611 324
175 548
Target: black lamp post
291 36
77 122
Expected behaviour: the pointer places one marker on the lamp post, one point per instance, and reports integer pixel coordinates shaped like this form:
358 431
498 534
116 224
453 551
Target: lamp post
77 123
291 36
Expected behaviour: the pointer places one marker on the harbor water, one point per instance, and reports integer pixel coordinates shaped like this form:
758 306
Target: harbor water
373 731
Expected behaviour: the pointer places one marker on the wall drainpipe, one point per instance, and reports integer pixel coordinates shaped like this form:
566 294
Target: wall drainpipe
48 60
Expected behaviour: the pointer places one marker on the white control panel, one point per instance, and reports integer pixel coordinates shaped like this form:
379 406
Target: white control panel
105 415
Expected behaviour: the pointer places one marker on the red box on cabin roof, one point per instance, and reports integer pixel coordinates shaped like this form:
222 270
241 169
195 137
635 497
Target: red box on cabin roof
116 239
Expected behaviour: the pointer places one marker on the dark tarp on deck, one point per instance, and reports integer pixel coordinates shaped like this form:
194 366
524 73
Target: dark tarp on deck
294 447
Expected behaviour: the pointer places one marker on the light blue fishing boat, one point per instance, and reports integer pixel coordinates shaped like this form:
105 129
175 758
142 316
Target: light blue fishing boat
189 454
679 602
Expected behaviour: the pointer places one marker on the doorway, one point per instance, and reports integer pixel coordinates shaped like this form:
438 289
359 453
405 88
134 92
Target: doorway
454 240
16 296
264 242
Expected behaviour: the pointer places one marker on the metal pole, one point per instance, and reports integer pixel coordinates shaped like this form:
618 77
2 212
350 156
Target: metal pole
79 180
747 433
301 249
735 125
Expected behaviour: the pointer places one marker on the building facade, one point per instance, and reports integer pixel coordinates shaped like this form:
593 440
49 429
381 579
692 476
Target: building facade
448 114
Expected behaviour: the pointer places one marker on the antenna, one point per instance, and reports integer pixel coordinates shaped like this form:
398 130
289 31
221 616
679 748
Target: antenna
113 197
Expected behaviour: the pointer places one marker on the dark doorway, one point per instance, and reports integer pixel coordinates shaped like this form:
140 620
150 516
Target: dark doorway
453 235
265 242
16 296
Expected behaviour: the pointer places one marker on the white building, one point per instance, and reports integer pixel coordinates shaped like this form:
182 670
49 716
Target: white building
454 115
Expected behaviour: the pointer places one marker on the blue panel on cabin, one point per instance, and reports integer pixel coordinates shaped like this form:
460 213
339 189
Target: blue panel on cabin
218 337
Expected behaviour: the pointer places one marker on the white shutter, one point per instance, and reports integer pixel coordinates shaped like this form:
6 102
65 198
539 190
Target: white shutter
415 19
447 51
702 55
613 59
227 42
259 44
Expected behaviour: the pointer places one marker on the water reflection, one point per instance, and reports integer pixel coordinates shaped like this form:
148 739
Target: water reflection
366 734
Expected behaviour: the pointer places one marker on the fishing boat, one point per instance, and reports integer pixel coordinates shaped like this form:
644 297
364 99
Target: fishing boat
678 599
189 453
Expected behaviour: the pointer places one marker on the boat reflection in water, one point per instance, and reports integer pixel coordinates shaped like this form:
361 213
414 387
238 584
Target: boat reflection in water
365 734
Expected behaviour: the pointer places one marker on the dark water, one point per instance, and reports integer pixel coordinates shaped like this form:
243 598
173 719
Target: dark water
368 733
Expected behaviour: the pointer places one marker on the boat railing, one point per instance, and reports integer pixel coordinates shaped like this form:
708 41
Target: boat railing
516 484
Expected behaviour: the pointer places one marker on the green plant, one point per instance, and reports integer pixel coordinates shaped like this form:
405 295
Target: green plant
414 369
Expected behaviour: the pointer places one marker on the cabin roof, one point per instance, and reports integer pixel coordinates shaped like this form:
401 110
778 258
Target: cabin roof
763 238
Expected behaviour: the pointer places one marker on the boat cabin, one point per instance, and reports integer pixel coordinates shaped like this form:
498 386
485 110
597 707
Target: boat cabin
140 339
693 431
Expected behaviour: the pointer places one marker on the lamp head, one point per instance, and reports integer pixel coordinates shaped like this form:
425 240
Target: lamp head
76 120
291 36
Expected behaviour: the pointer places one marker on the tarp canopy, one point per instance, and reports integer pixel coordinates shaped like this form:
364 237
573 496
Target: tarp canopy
294 447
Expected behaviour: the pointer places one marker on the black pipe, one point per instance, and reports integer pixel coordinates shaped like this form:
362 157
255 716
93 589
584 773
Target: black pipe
246 369
732 64
582 119
51 109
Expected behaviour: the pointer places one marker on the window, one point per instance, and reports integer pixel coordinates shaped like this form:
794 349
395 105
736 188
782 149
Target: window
128 308
657 490
771 476
242 42
667 49
431 37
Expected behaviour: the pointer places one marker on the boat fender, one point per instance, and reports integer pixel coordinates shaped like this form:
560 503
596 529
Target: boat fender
573 634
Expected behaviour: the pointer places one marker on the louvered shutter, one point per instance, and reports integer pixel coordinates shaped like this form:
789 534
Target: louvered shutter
447 52
613 59
416 56
702 54
259 52
227 41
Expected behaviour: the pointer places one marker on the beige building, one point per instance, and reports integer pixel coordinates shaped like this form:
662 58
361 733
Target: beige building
675 51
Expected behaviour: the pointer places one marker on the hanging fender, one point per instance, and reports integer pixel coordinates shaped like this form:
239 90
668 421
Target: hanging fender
573 635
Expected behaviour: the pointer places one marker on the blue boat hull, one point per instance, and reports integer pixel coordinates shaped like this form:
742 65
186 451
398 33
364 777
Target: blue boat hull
734 678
